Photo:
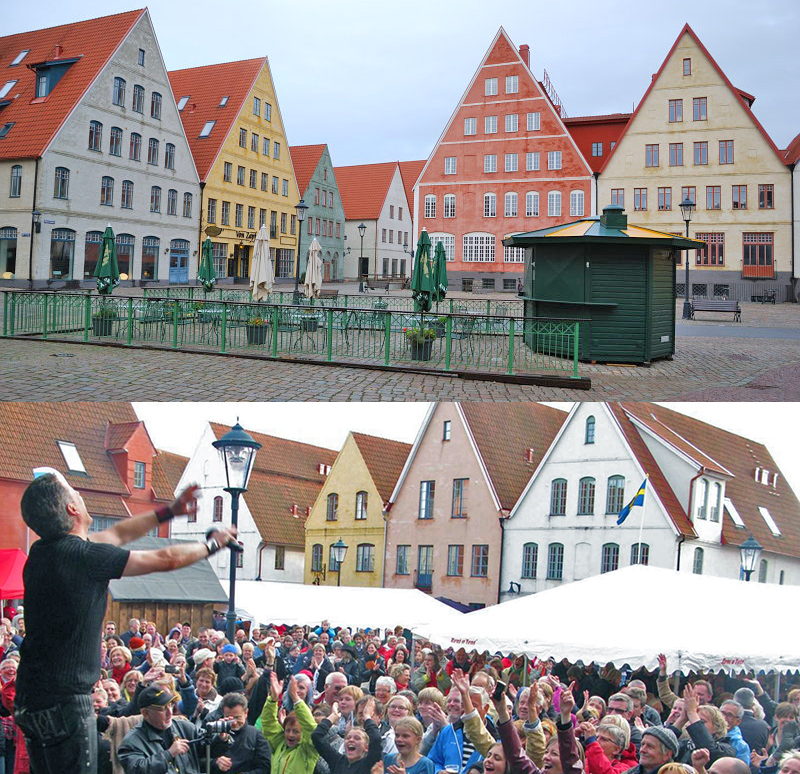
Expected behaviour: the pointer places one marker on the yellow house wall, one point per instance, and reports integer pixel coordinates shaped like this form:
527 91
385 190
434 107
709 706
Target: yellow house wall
216 188
349 475
755 162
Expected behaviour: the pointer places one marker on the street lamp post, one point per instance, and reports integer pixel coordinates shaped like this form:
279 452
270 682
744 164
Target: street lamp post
687 209
749 552
36 228
338 553
301 207
361 231
237 450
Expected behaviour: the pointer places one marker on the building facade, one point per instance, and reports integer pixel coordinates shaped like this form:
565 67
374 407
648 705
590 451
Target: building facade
504 163
237 136
351 507
316 182
92 138
694 134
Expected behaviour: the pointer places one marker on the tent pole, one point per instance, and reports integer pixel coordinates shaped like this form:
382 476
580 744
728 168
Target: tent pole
777 689
413 651
525 680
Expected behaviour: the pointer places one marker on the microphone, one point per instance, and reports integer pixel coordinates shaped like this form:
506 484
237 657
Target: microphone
234 545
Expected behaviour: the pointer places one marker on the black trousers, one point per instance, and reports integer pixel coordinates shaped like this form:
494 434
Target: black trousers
61 739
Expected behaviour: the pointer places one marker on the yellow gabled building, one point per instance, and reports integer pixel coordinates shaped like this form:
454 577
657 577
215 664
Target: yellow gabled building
233 123
350 507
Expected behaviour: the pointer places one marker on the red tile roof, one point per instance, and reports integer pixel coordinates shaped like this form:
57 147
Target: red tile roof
587 130
411 170
792 153
117 435
384 460
205 87
741 456
364 188
503 433
167 471
305 159
93 42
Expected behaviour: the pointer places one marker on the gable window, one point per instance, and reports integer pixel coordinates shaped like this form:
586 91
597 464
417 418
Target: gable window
402 560
555 561
332 508
687 66
155 105
589 435
316 557
554 159
138 99
697 564
243 138
700 109
135 147
115 141
267 111
254 142
532 161
240 177
449 210
610 561
107 191
490 125
141 57
597 149
427 492
361 505
126 201
118 93
766 196
430 206
61 183
169 156
675 110
512 84
95 135
586 488
449 168
138 475
446 430
558 497
227 172
455 561
15 190
256 107
651 155
71 456
152 151
530 557
726 151
615 496
470 126
490 87
276 150
365 558
640 553
534 122
460 489
480 561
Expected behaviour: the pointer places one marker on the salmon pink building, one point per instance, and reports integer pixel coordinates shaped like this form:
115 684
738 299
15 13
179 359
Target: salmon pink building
504 163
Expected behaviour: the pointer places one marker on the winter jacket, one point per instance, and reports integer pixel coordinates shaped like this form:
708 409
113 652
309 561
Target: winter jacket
249 753
699 738
598 763
535 742
338 762
145 752
448 749
420 680
754 731
740 747
296 760
371 674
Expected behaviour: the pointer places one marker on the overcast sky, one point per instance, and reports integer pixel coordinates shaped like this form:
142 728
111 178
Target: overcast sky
378 80
177 426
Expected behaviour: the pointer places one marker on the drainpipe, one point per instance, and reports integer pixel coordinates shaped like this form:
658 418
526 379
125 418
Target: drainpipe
691 496
681 541
200 235
384 513
793 280
260 550
33 227
502 520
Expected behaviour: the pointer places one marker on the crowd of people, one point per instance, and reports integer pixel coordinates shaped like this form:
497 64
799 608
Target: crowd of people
328 700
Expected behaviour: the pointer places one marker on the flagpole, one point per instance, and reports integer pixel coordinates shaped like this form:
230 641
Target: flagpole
641 520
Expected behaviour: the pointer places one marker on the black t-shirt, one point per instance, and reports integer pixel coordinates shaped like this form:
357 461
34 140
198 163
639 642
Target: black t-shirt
66 589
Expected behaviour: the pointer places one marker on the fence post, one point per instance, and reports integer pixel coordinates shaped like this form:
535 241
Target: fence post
451 305
448 339
511 322
130 320
87 316
223 334
345 301
387 336
175 308
5 314
275 330
44 318
575 350
330 334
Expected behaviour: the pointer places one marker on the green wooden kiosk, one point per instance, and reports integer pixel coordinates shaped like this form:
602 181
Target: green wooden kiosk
618 280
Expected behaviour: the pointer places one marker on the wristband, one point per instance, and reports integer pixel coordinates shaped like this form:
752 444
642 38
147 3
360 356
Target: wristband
213 545
164 513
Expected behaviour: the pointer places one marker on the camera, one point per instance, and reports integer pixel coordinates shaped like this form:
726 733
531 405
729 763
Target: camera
499 690
170 669
218 727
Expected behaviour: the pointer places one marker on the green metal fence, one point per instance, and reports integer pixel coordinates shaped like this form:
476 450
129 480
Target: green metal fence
464 342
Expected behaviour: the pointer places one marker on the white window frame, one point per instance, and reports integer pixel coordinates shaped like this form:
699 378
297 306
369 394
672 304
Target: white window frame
470 126
532 161
534 122
490 87
554 159
69 451
448 242
512 122
554 204
767 516
490 163
512 84
489 205
513 255
576 204
448 207
510 204
450 165
490 125
430 205
479 247
532 204
511 162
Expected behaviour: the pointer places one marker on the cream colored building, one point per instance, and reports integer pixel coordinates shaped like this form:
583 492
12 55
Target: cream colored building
694 134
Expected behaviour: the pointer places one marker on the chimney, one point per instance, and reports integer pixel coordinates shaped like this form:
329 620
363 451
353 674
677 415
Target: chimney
525 54
614 217
57 51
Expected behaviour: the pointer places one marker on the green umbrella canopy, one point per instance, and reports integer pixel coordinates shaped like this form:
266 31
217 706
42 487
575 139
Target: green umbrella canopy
205 272
107 269
422 288
439 273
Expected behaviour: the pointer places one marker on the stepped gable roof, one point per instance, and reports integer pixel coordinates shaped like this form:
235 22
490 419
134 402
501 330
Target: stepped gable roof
384 460
85 46
503 433
742 97
305 159
206 87
364 187
410 172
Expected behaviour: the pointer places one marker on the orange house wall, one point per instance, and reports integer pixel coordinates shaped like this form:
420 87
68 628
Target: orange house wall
13 532
471 183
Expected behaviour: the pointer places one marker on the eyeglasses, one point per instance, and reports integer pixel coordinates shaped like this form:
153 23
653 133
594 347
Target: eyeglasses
616 711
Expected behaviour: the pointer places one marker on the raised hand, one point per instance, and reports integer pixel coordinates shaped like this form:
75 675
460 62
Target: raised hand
662 663
587 729
690 701
639 723
437 716
700 758
460 681
275 687
567 702
757 758
186 502
585 701
533 702
335 716
293 689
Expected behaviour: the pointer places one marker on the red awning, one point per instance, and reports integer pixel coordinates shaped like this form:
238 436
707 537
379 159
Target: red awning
12 560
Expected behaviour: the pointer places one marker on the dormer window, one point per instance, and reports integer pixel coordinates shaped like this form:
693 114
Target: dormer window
20 56
139 470
715 505
323 469
48 74
446 429
71 456
770 522
42 83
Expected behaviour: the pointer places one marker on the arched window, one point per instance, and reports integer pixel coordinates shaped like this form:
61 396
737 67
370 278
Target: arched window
554 204
615 497
489 205
610 560
169 156
127 195
715 506
510 208
172 202
95 135
115 141
576 204
155 199
530 558
448 242
586 488
697 565
187 205
118 94
61 183
449 205
15 190
91 252
365 557
762 571
531 204
138 99
636 550
333 565
136 147
155 105
558 497
361 505
430 206
152 151
316 557
555 561
107 191
589 430
217 509
332 511
702 499
125 245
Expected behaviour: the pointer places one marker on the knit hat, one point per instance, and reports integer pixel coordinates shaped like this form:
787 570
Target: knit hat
230 685
231 649
157 656
201 654
135 643
665 736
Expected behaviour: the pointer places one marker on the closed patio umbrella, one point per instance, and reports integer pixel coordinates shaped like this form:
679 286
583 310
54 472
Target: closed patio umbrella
422 276
262 275
439 273
313 281
107 269
205 272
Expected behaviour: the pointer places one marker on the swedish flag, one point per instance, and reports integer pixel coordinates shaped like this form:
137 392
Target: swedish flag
638 499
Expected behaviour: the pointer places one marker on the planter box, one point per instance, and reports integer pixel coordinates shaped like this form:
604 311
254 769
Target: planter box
421 350
102 326
256 334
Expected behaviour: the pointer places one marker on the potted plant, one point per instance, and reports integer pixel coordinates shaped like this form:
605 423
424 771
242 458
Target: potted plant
103 321
421 341
256 328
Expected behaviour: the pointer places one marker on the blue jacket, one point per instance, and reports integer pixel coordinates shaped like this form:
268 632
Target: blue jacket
739 745
448 748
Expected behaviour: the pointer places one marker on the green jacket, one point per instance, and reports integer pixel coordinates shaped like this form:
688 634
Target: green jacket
298 760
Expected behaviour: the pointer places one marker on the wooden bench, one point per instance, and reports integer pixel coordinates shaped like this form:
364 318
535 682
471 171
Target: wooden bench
328 293
716 305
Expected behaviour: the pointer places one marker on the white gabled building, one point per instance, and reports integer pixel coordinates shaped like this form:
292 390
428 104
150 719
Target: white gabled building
707 491
90 136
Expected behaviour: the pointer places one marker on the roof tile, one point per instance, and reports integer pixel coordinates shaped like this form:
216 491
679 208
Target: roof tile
410 171
384 460
364 188
305 159
167 471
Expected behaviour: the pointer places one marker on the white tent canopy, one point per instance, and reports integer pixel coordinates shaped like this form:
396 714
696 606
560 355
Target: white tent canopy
295 603
631 615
